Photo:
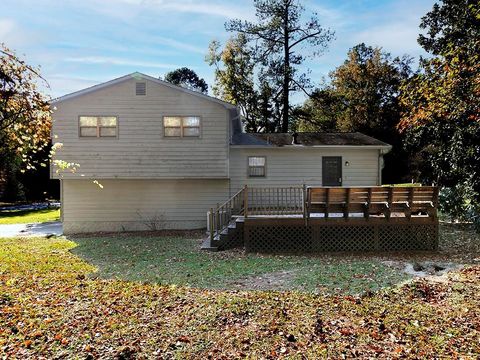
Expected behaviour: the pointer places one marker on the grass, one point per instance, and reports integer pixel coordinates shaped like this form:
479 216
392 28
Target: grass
28 216
177 260
51 307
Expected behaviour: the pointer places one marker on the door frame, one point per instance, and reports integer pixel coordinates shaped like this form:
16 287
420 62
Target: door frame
338 158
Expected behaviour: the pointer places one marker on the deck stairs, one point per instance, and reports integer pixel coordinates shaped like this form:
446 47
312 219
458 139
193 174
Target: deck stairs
229 237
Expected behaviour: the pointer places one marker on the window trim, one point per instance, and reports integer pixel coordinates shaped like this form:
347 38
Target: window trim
98 127
264 167
200 132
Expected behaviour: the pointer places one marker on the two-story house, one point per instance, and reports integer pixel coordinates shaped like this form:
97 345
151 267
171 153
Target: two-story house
164 155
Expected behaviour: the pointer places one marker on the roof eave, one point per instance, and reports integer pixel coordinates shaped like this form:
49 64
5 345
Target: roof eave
136 75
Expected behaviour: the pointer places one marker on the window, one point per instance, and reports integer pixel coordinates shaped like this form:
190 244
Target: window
256 166
140 88
98 126
181 126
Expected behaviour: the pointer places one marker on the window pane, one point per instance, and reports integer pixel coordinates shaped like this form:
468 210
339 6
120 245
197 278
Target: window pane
191 121
88 131
108 121
257 171
88 121
108 131
193 131
256 161
173 131
172 121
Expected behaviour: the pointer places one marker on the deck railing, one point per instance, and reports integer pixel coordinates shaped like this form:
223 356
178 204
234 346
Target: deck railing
372 200
275 201
305 201
222 214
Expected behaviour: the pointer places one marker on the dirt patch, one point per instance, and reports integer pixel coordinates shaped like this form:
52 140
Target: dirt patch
278 280
434 271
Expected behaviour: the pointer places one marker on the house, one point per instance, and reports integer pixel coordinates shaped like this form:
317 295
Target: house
165 155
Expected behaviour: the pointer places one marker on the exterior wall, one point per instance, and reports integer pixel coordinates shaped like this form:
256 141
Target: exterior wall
124 205
297 166
141 151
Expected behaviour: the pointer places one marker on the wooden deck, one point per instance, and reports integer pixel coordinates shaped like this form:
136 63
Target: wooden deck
316 219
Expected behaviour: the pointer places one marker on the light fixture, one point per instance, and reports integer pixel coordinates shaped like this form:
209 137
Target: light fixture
347 163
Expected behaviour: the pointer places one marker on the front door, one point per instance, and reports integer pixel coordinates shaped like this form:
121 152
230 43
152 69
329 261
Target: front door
332 171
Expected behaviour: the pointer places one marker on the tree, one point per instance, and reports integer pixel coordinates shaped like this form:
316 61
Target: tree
187 78
234 77
279 35
441 120
450 24
24 111
24 123
320 112
363 96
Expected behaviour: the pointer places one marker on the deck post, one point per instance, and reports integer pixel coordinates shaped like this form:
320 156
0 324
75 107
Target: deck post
245 201
211 227
304 202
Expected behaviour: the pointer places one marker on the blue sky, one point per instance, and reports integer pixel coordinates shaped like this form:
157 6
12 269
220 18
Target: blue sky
79 43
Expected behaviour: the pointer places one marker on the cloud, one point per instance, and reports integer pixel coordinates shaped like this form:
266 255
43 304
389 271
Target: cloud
396 28
118 61
210 8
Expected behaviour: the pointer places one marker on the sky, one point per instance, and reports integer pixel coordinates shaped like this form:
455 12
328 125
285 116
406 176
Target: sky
80 43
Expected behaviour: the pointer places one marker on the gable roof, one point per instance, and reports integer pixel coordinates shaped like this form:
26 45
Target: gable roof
306 139
138 76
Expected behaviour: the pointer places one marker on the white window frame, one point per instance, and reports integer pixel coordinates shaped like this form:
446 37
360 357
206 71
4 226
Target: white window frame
98 127
250 167
182 127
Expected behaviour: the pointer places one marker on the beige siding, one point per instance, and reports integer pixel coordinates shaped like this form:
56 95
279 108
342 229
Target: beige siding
140 151
286 167
130 204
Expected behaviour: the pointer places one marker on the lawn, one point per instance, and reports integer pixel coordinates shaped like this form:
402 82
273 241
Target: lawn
52 307
178 260
28 216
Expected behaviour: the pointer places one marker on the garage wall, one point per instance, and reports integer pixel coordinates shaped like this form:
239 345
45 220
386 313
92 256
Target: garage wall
126 205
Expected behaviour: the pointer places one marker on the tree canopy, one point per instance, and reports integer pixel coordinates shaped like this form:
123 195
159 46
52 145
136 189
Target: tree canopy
187 78
24 111
277 40
441 120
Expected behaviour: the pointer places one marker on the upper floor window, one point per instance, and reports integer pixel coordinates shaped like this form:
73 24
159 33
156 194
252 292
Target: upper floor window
98 126
181 126
256 166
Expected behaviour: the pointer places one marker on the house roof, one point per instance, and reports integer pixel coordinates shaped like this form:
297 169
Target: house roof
306 139
138 76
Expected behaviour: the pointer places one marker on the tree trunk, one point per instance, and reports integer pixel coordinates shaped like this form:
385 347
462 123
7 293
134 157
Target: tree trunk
286 71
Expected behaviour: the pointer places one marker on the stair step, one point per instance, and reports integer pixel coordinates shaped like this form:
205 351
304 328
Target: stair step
207 246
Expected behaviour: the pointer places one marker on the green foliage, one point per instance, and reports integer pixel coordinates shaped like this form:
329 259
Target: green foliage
441 120
277 42
24 111
450 24
234 78
28 216
187 78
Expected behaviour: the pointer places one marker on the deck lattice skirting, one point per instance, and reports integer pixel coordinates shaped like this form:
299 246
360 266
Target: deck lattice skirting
332 235
315 220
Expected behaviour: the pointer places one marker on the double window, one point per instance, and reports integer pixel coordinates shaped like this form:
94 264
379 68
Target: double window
256 166
98 126
181 126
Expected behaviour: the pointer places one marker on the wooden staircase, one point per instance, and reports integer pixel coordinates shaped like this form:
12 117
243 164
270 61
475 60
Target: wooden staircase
226 223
